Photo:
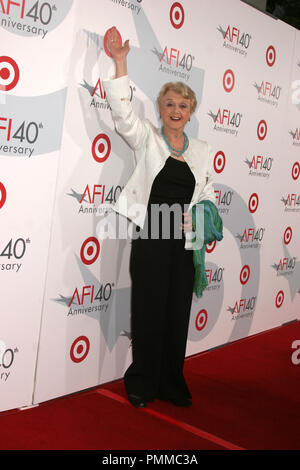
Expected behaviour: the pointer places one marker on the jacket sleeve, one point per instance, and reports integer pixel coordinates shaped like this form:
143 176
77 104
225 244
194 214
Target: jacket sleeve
127 123
208 190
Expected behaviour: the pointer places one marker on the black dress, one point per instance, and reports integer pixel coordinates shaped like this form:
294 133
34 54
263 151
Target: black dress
162 274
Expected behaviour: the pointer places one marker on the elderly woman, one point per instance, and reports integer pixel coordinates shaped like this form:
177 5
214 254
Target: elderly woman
171 169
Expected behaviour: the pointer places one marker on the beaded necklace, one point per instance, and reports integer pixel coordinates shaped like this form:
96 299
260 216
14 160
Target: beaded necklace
176 152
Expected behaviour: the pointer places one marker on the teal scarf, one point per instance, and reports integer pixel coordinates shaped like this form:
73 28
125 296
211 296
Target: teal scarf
213 230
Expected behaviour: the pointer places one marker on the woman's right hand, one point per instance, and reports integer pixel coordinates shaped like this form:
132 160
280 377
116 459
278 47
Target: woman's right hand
118 52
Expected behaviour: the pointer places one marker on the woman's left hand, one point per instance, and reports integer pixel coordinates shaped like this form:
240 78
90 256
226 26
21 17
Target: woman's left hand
187 226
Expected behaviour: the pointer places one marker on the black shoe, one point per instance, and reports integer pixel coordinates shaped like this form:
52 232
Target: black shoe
137 401
149 400
176 401
181 402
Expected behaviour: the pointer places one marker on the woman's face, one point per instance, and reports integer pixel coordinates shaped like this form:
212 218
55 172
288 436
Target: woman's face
175 111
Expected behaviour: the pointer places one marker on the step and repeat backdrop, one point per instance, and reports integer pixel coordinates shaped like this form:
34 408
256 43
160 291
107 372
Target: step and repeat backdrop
64 253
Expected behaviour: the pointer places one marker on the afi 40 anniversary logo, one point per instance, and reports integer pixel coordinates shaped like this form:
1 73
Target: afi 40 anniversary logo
32 17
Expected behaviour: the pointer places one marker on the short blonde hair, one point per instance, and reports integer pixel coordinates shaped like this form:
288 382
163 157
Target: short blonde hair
182 89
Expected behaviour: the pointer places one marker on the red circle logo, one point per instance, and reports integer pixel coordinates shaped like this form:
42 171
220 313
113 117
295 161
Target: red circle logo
2 195
262 129
101 148
270 56
177 15
9 73
228 81
201 320
244 274
296 170
219 162
279 299
287 235
90 250
253 203
106 48
80 349
210 246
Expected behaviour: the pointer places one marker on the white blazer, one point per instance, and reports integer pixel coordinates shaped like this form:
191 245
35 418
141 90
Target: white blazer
151 154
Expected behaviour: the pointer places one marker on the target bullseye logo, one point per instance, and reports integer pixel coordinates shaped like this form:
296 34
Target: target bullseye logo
210 246
296 170
2 195
106 47
80 349
177 15
90 250
219 162
201 319
287 235
253 203
262 129
101 148
270 56
244 274
228 80
279 299
9 73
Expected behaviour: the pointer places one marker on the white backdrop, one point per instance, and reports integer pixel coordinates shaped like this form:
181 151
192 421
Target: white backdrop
65 292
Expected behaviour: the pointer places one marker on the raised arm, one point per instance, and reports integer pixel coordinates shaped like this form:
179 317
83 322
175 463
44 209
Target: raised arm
119 53
127 123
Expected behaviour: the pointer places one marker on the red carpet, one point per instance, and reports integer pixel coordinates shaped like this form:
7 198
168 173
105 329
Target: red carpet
245 395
